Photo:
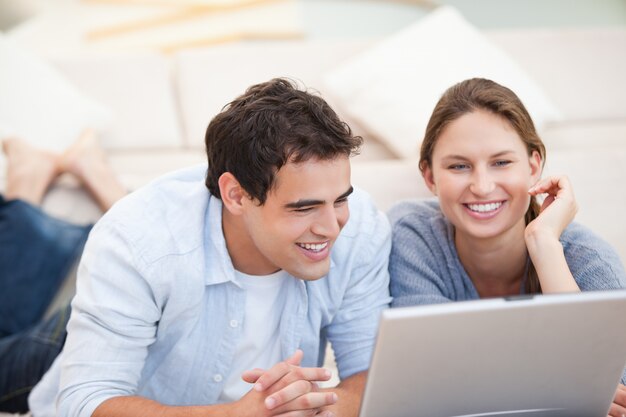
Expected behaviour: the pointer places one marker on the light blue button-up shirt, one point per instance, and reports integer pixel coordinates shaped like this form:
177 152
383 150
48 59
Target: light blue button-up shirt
157 299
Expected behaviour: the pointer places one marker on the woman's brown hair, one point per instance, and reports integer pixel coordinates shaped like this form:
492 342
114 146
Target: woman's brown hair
482 94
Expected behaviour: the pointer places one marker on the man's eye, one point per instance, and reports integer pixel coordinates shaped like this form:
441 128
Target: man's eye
502 163
341 201
303 209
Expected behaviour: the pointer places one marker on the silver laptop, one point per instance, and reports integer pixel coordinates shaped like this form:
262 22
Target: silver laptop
542 356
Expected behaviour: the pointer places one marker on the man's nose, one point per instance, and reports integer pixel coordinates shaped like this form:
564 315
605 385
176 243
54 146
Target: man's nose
328 223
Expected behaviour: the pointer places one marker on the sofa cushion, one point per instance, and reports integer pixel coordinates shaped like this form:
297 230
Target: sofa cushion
39 104
138 90
209 78
393 87
581 69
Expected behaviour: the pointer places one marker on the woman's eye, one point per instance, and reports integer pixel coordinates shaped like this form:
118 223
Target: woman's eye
458 167
502 163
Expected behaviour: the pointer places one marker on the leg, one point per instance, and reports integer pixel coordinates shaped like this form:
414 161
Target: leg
86 160
37 253
30 171
25 357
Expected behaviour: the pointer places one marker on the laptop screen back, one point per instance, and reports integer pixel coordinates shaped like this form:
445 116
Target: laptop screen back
548 356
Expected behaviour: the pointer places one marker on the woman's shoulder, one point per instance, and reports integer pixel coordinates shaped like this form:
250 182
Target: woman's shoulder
414 210
577 237
594 263
419 220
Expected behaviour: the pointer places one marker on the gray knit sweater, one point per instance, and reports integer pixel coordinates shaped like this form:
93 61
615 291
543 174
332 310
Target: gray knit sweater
425 267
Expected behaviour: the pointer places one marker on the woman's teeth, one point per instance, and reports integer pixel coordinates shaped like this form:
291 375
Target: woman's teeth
483 208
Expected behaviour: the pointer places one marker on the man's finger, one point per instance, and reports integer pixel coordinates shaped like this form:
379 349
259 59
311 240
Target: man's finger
310 401
252 375
290 392
306 374
274 374
296 358
295 374
307 413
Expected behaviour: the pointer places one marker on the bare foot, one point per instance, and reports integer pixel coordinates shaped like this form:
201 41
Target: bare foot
87 161
30 171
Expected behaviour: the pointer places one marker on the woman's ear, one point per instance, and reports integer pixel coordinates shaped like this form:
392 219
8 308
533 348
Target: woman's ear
536 166
231 192
429 179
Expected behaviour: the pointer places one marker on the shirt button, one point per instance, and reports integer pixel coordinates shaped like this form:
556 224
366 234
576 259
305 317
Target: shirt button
234 323
217 378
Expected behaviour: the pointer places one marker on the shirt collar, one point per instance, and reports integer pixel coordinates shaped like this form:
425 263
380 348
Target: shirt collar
218 265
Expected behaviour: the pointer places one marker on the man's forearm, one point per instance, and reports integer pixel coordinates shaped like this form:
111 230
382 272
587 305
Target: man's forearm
138 406
349 393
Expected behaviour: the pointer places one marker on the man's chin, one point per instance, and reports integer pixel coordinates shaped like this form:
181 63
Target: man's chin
311 273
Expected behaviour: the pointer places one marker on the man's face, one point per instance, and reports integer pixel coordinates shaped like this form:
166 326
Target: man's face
301 219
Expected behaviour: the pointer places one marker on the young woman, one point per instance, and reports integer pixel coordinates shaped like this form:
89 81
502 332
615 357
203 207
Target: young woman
487 235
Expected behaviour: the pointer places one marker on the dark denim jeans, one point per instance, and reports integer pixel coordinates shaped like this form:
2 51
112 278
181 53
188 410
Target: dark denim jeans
36 253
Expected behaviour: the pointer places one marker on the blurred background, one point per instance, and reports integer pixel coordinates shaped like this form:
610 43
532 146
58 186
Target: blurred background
336 17
150 74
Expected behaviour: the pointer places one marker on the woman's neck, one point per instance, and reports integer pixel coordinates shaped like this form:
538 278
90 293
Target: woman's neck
496 266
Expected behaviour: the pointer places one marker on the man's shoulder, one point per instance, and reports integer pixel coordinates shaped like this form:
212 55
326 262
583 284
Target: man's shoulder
172 190
365 218
165 216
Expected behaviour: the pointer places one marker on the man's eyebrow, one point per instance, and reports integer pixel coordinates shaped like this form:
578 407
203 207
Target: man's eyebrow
346 194
308 203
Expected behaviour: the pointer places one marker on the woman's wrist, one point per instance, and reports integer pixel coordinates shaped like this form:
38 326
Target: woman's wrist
547 255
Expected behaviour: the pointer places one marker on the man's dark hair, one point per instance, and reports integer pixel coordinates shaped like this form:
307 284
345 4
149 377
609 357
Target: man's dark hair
271 124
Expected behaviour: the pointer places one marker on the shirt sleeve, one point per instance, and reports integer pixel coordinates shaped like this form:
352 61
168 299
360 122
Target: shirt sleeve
415 266
352 332
113 322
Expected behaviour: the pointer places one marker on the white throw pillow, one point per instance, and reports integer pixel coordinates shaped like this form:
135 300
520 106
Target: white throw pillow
392 88
40 105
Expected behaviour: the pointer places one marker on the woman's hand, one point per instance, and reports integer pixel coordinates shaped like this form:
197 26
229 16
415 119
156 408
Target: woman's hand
558 208
543 233
618 408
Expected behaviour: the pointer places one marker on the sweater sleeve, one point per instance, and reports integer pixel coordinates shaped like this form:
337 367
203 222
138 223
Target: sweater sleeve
593 262
416 262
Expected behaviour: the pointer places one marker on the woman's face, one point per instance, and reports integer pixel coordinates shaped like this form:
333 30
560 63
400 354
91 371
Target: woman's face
481 173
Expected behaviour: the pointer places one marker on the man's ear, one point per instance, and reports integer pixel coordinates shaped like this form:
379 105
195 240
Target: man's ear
536 166
232 193
429 179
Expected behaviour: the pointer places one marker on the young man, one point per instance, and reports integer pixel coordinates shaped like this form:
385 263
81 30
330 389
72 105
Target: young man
220 302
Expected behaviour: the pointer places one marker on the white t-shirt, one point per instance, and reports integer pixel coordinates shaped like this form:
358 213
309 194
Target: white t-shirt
259 346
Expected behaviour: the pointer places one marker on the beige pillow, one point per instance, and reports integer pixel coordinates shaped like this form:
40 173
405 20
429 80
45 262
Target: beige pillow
392 88
38 104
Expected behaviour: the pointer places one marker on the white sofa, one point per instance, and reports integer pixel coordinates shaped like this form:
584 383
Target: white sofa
165 102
